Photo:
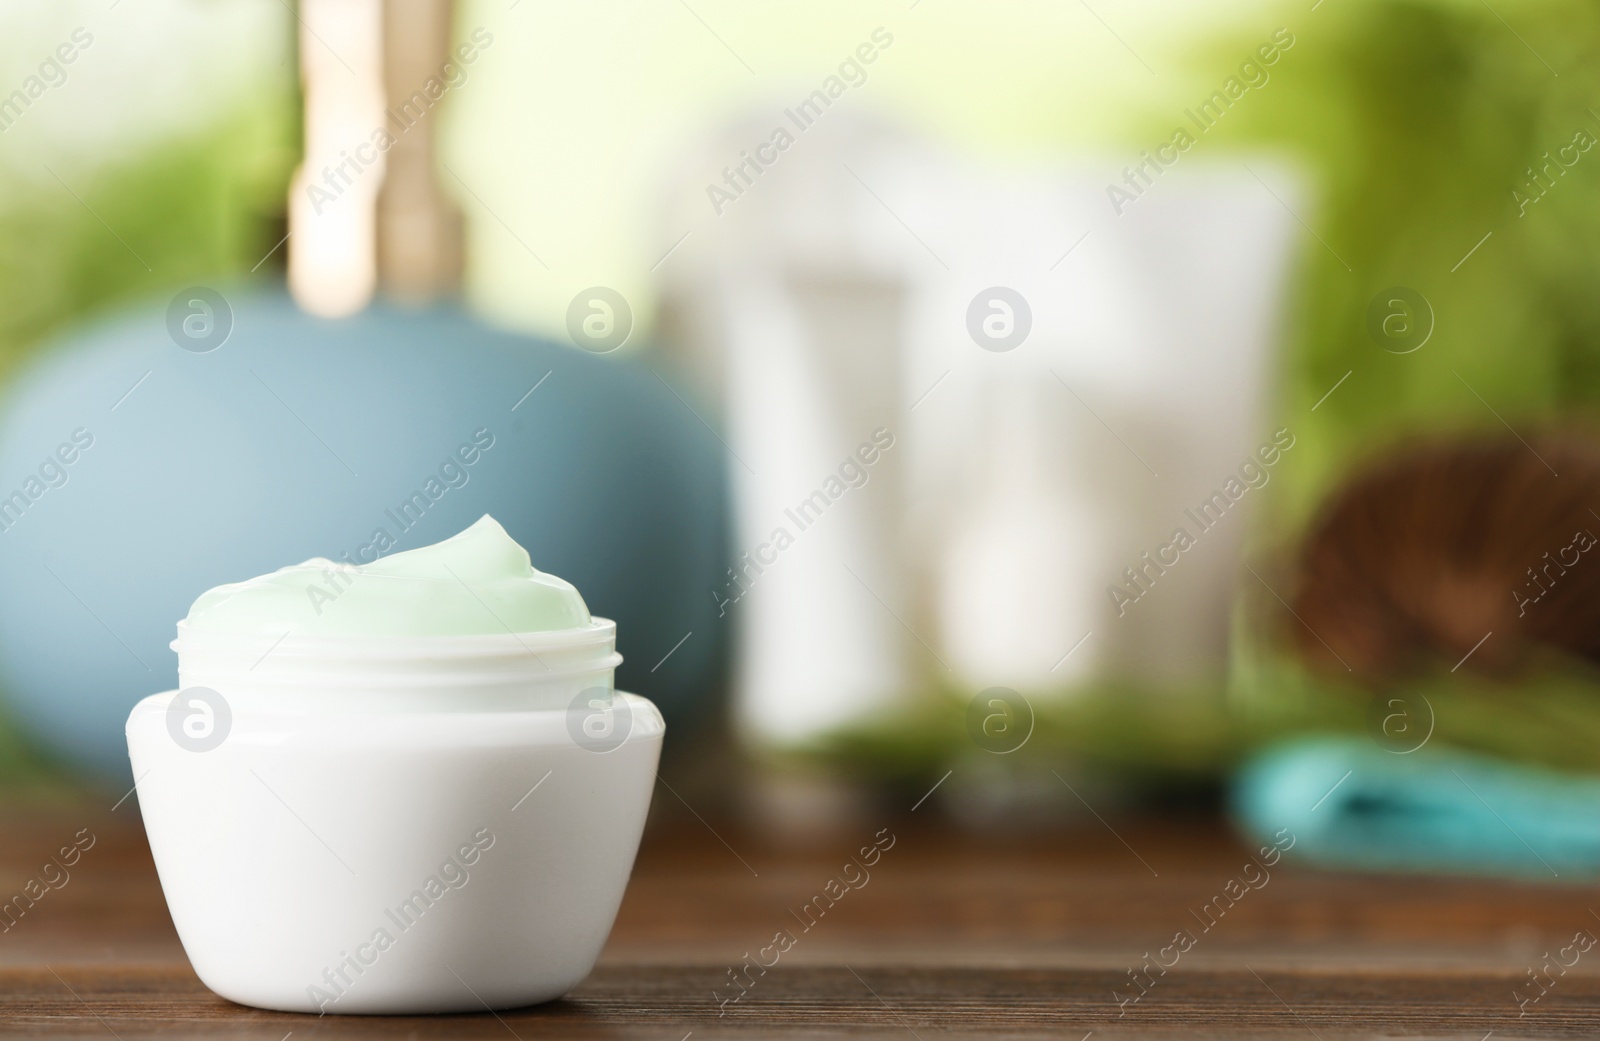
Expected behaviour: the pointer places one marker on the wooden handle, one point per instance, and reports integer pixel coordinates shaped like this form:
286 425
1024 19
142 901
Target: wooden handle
366 210
419 238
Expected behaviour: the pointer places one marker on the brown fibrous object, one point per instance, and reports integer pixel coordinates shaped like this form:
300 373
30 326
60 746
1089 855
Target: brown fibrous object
1480 548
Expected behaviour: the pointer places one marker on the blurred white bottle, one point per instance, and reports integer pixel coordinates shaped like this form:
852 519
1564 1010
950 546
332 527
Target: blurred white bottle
1017 554
790 311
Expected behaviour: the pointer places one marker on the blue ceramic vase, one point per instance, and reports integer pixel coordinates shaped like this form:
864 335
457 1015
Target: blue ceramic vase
141 465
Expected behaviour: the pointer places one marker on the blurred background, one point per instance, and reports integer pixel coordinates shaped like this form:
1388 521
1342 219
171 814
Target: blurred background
1014 407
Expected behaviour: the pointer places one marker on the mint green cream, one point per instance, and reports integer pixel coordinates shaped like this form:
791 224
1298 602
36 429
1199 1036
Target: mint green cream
480 581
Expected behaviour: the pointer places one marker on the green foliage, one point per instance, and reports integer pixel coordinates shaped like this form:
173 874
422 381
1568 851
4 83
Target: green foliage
78 236
1415 121
1165 738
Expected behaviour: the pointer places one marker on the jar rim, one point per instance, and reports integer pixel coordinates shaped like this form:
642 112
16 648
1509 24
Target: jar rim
601 632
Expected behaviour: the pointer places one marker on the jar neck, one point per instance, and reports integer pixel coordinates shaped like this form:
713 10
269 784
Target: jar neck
500 672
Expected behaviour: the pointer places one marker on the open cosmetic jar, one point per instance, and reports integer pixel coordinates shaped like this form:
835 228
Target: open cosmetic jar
394 823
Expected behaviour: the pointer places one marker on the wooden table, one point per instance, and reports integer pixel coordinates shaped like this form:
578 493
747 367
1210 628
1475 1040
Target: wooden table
954 934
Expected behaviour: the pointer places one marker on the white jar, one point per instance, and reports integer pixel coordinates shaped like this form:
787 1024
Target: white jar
394 824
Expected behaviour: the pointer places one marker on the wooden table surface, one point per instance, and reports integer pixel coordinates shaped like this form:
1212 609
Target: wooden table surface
954 934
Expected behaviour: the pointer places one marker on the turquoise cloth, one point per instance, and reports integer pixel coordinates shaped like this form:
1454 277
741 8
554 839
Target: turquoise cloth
1351 804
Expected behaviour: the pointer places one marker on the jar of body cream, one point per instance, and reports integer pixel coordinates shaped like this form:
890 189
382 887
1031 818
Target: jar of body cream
397 788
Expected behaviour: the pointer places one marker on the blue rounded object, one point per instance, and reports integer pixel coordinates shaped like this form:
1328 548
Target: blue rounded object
135 474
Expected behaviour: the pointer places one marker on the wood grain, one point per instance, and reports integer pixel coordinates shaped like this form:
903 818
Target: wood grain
953 935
